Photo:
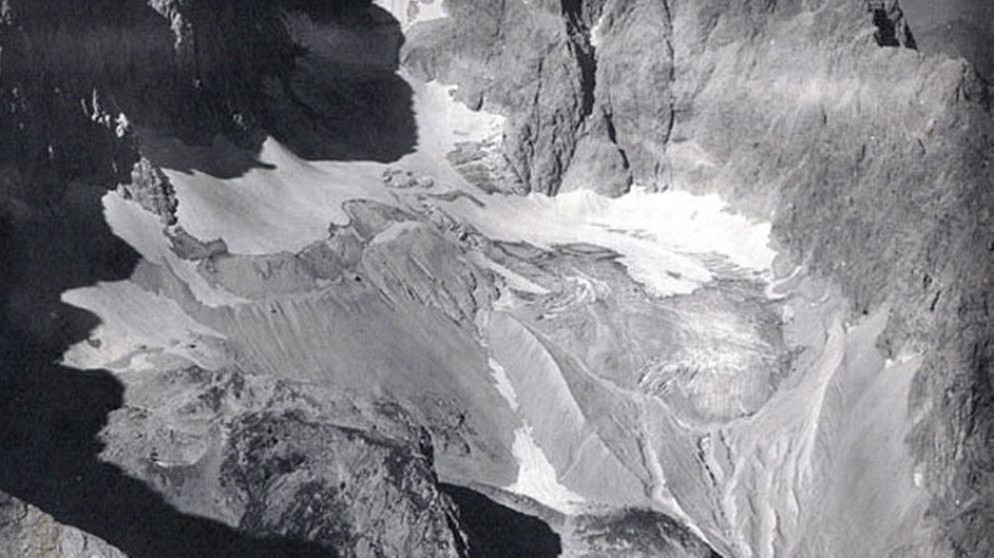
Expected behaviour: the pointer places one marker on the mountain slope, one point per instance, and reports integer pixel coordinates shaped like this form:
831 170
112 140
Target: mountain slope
635 278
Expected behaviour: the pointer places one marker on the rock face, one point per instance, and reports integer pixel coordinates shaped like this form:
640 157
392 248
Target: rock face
842 204
961 38
28 531
635 533
275 287
279 460
584 83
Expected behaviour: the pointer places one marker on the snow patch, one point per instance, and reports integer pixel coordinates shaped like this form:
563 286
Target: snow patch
537 478
503 384
283 207
287 203
409 12
902 358
443 121
663 237
595 32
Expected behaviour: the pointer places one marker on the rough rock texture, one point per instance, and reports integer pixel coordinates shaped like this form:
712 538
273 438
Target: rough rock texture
962 38
30 533
79 79
635 533
888 191
585 84
280 459
531 61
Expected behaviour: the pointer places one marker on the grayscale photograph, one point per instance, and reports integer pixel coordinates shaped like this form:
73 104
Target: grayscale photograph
496 278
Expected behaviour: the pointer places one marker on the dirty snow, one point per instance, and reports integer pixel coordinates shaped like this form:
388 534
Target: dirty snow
395 231
133 321
143 232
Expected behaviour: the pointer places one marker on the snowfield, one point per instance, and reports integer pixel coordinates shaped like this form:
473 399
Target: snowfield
537 478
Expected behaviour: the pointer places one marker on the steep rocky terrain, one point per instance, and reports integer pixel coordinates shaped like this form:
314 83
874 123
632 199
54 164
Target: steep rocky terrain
473 278
961 38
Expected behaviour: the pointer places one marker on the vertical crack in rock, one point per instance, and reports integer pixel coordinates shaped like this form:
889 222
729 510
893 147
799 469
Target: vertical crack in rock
892 28
671 73
580 45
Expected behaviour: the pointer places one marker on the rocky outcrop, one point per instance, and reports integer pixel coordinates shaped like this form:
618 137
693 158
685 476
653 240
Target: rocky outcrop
892 29
530 61
277 459
636 533
961 38
75 93
877 157
28 532
85 88
585 85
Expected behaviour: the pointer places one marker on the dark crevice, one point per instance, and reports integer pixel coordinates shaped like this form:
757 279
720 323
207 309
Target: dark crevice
886 34
579 43
612 134
671 53
892 29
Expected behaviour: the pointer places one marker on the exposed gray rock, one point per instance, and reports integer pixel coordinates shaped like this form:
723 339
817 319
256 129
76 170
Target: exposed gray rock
285 460
152 190
961 38
635 533
27 532
598 165
634 59
530 61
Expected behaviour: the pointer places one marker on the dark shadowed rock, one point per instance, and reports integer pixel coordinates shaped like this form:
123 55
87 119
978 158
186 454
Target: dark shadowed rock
494 530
